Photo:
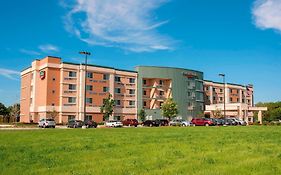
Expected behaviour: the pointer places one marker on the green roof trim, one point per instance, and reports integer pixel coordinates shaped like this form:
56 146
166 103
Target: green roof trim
167 67
226 83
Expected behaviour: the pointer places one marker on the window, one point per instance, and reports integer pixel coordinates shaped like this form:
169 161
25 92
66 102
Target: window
230 99
131 91
161 93
54 79
221 99
117 79
144 82
71 117
214 98
117 102
242 92
89 75
243 100
161 82
214 89
132 103
189 94
89 100
238 99
144 92
131 80
105 89
53 104
117 90
88 117
144 103
71 99
230 90
161 103
208 97
105 77
89 88
72 74
72 87
221 90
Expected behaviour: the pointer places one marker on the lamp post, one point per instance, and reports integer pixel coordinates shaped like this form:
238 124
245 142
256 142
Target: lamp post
85 92
223 76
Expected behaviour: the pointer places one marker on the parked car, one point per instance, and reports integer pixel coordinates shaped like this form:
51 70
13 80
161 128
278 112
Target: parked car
202 122
151 123
130 122
163 122
230 121
75 124
90 124
47 123
180 122
113 123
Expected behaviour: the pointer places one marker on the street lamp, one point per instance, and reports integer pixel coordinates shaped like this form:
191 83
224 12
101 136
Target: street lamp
85 92
223 76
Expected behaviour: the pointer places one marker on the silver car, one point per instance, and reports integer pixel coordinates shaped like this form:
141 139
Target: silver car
47 123
180 122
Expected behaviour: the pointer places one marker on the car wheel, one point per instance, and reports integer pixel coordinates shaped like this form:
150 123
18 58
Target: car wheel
207 124
183 125
150 125
136 125
44 126
74 126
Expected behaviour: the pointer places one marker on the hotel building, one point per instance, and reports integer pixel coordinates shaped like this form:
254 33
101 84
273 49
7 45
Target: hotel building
52 85
239 100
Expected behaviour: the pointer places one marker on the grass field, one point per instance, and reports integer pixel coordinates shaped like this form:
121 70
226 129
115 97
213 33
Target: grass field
171 150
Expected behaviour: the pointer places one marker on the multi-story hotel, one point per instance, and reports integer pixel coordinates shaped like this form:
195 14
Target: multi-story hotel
52 85
239 100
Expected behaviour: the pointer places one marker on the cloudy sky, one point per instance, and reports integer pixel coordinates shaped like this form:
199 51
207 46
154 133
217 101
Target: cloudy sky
241 38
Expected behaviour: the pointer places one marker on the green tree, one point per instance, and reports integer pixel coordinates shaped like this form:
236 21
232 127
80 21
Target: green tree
273 112
169 109
217 113
107 108
4 112
52 114
142 115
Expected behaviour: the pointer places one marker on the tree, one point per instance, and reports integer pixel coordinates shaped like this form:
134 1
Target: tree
107 108
217 113
4 112
142 115
273 112
15 112
169 109
52 114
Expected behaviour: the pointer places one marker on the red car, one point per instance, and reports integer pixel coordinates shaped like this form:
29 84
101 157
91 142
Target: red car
130 122
202 122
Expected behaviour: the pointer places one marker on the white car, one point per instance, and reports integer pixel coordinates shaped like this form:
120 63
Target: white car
47 123
180 122
113 123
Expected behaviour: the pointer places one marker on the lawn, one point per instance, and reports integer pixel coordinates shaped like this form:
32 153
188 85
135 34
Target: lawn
170 150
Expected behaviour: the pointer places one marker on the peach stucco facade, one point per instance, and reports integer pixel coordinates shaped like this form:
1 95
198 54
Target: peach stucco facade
52 85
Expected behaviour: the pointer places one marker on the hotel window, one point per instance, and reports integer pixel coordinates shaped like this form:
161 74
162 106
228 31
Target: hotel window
71 117
131 91
131 80
132 103
53 104
117 90
89 74
105 89
71 99
144 82
161 82
54 79
53 91
230 90
214 98
88 117
89 88
189 94
230 99
105 77
117 102
221 90
208 97
117 79
72 74
214 89
89 100
144 92
207 88
221 99
71 87
161 93
243 100
144 103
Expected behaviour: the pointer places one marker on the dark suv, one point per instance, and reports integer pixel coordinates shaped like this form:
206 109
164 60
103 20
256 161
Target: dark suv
202 122
151 123
163 122
75 124
90 124
130 122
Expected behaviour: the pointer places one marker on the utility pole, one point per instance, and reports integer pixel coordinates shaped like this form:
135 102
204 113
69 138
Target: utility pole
224 98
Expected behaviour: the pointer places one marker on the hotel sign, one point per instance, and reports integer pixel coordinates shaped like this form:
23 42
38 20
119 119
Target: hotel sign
42 75
189 75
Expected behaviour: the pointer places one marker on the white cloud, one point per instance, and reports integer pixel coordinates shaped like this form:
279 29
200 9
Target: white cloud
267 14
11 74
29 52
127 24
48 48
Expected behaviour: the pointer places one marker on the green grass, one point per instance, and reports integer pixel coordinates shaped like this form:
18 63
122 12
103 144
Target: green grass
171 150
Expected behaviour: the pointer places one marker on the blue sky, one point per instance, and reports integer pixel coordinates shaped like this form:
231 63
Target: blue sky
241 38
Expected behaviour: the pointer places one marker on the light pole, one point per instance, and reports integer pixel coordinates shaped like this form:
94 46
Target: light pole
223 76
85 92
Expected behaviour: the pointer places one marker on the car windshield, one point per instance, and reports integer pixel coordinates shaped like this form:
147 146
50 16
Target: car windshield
50 120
